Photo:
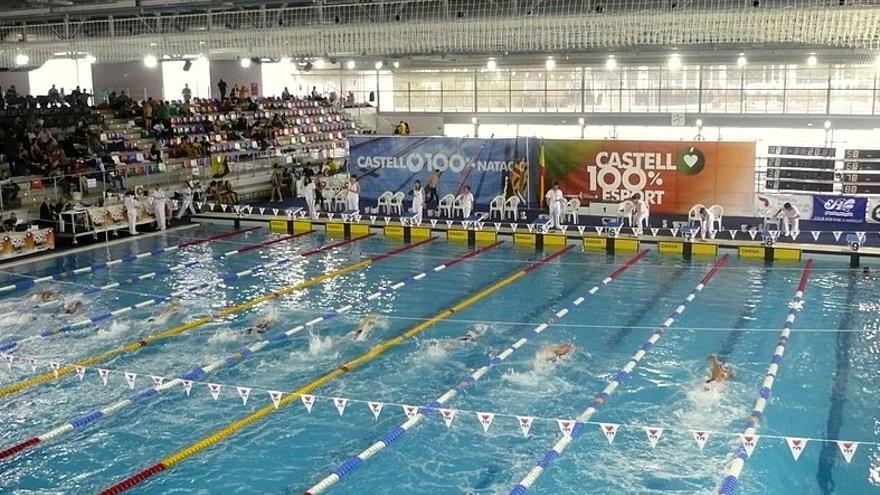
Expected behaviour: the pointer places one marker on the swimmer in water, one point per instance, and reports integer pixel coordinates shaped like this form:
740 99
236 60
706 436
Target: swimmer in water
553 354
45 295
720 372
365 326
73 308
260 326
471 336
167 312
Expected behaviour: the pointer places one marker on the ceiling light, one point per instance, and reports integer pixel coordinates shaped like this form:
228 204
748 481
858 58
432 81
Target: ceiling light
245 62
550 64
150 61
828 124
812 60
319 63
674 62
611 63
395 64
350 65
378 65
741 61
491 64
22 59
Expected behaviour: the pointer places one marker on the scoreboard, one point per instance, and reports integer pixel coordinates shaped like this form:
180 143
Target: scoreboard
801 168
861 172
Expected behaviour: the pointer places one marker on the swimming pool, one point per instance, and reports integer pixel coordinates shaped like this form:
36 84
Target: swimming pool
826 387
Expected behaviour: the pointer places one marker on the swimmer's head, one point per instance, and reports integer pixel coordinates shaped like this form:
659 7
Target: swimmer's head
713 358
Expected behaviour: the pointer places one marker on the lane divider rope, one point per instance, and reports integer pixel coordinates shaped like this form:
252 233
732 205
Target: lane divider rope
397 433
156 301
734 469
135 346
348 367
195 374
599 400
30 282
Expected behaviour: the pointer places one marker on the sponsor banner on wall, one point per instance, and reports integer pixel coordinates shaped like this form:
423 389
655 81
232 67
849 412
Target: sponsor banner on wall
672 176
767 205
872 214
394 163
849 209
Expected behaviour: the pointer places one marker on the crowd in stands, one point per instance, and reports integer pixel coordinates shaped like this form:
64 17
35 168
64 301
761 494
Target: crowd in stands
12 99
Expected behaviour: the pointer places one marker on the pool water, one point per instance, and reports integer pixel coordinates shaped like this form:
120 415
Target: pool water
827 386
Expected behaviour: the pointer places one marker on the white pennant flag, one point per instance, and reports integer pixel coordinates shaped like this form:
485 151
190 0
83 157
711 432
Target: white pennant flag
566 426
448 224
387 220
860 236
244 393
816 234
448 415
701 437
753 234
276 397
836 235
55 367
732 234
262 210
211 206
330 216
654 232
80 372
200 204
774 234
275 212
530 227
486 420
513 226
130 378
796 446
609 430
848 449
376 408
157 380
103 374
308 401
599 229
187 386
372 219
674 232
223 207
497 226
794 235
340 404
653 433
525 424
749 442
215 390
411 411
581 229
433 222
563 228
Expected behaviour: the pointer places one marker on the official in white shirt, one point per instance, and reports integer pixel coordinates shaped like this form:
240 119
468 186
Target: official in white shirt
158 197
354 191
418 202
467 202
707 224
131 209
641 212
791 219
555 201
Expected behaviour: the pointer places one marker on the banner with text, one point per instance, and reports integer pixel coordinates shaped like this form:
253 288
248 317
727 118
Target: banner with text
672 176
849 209
488 166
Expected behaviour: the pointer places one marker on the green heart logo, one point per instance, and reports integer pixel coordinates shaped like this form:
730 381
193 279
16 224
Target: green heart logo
690 161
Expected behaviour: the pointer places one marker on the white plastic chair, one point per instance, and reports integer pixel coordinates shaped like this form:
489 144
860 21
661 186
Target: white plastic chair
497 206
571 210
694 214
384 201
717 212
457 206
626 211
340 200
512 206
397 203
445 205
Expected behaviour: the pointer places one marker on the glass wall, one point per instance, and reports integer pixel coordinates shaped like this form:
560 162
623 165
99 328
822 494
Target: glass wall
705 89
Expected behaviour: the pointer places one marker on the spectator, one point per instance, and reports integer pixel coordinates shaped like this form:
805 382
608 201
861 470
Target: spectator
10 223
234 93
54 97
285 95
277 183
48 214
227 194
147 111
187 93
9 190
221 85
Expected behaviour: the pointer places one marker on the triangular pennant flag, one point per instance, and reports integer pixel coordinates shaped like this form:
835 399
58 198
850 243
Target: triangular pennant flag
525 424
410 411
387 220
816 234
262 210
236 208
276 397
774 234
157 380
563 228
130 378
674 232
796 446
732 233
200 204
448 224
860 236
187 386
513 226
486 420
599 229
794 235
223 208
433 222
848 449
753 234
103 374
653 433
376 408
654 232
308 401
609 430
340 404
748 443
55 367
330 216
836 235
566 426
497 226
701 437
372 219
275 211
80 372
581 229
211 206
215 390
448 415
244 393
